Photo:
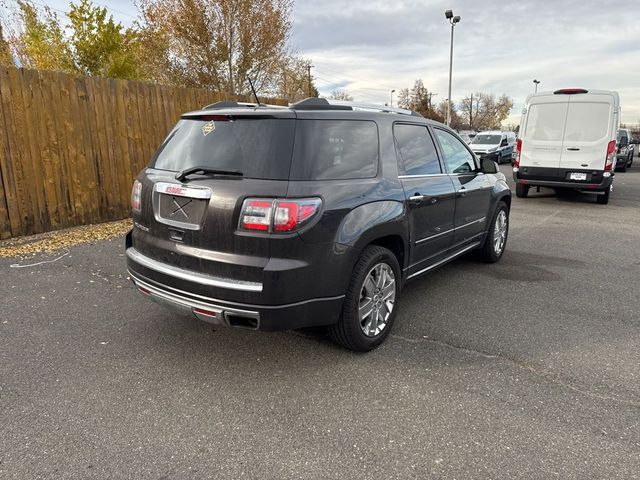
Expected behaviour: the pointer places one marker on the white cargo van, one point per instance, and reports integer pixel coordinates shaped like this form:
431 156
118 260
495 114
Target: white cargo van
567 139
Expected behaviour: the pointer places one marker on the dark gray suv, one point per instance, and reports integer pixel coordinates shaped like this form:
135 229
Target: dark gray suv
315 214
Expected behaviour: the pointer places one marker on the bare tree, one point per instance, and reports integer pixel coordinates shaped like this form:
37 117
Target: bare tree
341 95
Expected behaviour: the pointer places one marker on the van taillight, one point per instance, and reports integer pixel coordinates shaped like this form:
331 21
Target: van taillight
516 162
611 151
136 197
275 215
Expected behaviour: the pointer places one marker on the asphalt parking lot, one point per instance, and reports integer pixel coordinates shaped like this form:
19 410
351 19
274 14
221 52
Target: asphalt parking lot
529 368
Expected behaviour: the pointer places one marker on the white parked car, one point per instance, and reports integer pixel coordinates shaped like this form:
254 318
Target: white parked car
495 145
567 139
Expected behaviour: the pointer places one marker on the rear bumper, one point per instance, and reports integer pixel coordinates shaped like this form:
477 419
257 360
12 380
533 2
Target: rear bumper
556 178
223 312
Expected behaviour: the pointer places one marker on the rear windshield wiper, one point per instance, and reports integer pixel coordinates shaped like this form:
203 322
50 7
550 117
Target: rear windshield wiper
181 176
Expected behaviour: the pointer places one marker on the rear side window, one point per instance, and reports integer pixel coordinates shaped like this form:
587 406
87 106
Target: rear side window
546 121
587 122
417 152
259 148
335 150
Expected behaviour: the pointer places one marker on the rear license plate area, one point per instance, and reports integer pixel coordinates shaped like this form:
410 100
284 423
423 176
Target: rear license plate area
179 206
579 176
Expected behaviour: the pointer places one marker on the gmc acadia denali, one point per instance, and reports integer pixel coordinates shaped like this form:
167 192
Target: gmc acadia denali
314 214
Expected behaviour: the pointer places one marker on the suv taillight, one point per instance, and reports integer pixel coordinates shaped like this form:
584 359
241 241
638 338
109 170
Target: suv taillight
277 215
136 197
516 162
611 151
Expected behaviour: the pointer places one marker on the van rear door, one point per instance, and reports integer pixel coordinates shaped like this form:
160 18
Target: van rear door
544 131
587 132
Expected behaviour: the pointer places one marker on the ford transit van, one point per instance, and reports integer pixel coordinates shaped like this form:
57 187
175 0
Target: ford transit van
567 139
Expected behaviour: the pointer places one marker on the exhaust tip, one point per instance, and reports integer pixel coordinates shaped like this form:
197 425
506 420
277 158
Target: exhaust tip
242 322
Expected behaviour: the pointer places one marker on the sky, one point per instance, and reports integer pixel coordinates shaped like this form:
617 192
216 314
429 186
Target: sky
370 47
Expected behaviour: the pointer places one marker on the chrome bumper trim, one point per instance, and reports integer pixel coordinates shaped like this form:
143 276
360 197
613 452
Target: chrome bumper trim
191 306
191 276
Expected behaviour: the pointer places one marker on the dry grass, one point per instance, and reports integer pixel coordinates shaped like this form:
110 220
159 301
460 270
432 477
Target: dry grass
54 241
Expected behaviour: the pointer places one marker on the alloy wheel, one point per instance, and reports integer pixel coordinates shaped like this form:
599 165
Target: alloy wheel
377 298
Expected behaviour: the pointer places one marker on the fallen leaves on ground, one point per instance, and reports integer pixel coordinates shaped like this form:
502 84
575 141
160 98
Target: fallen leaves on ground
54 241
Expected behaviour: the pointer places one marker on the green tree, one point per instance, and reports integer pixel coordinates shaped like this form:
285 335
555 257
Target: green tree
420 100
102 47
91 44
40 41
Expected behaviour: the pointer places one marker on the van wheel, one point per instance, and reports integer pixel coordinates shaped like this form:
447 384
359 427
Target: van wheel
496 239
604 199
370 305
522 190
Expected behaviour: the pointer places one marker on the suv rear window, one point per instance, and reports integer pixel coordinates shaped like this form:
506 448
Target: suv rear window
259 148
335 150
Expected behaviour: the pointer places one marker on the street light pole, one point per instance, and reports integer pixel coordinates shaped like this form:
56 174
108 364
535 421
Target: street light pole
536 82
452 20
391 103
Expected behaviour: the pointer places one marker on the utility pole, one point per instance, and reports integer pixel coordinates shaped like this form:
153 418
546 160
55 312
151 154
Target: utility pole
429 103
309 67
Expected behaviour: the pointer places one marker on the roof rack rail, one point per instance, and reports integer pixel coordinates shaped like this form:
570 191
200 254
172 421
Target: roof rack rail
325 104
234 104
314 103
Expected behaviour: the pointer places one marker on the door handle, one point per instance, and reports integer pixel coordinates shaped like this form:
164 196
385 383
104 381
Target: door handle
462 192
416 198
573 149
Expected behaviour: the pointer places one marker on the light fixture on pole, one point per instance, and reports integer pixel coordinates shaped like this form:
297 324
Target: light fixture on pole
391 103
536 82
452 20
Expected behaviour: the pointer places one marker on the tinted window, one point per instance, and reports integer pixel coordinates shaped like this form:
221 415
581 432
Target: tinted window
458 158
487 139
260 148
546 121
417 152
587 122
335 149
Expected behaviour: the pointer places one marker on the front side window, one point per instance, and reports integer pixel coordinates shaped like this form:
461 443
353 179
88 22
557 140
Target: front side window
456 155
417 153
335 150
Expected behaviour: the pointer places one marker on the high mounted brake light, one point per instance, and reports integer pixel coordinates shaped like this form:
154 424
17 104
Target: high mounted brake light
570 91
277 215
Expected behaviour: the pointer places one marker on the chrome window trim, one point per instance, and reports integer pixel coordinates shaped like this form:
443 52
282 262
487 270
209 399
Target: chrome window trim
424 175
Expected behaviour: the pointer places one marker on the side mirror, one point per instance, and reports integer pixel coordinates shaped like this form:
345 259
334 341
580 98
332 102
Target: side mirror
488 166
504 143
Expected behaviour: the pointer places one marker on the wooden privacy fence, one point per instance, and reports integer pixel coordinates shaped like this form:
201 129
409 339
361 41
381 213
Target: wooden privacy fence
71 146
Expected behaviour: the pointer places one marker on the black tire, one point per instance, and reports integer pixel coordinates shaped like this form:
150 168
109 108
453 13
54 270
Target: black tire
522 190
487 252
348 332
630 161
623 168
604 199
